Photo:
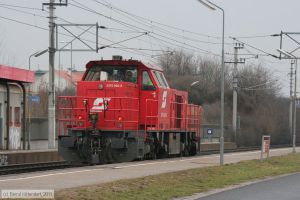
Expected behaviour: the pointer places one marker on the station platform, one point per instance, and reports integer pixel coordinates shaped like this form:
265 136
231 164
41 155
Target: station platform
23 157
215 146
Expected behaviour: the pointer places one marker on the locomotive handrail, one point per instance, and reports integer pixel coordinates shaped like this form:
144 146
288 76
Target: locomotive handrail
190 121
69 108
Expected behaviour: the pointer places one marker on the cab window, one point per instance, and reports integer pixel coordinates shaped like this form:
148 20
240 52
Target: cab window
112 73
164 79
160 79
147 83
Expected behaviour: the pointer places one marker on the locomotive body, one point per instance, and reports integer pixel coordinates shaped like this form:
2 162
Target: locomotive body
123 111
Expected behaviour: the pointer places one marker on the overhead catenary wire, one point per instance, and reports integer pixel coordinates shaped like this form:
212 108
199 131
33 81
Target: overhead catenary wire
150 23
260 84
115 20
29 13
111 6
140 49
134 27
254 36
16 6
256 48
160 38
24 12
46 29
106 39
34 14
24 23
109 45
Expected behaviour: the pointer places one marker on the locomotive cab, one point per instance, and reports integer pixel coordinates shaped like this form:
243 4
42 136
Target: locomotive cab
125 110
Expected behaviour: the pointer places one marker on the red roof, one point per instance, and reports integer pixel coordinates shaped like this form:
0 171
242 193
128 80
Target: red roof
16 74
76 75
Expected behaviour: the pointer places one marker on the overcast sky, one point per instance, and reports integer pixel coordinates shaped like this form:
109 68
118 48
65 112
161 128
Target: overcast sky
179 24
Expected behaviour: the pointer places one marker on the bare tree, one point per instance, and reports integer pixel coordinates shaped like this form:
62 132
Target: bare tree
261 109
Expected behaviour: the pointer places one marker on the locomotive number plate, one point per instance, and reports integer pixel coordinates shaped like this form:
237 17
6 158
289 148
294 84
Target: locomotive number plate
115 85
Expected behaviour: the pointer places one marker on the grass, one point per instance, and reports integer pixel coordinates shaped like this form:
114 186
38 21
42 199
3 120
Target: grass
184 183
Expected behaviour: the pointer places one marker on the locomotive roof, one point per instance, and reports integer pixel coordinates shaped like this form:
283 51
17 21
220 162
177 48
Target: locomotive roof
122 63
15 74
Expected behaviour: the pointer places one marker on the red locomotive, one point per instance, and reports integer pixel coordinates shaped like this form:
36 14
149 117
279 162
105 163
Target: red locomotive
124 110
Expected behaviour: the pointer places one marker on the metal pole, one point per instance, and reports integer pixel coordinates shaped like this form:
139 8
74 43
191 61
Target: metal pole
295 109
51 98
8 119
207 3
222 95
71 65
291 56
29 108
262 148
234 105
29 61
29 120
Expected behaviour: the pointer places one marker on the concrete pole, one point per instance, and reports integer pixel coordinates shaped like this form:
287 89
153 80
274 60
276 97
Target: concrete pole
295 109
51 89
291 101
59 69
71 65
234 104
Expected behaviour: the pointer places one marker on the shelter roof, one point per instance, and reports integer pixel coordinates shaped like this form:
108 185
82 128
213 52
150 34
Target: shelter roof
16 74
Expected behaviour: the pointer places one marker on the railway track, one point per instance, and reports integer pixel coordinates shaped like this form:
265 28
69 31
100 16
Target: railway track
32 167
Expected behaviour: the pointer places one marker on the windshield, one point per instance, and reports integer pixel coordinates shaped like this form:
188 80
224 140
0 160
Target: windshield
112 73
160 79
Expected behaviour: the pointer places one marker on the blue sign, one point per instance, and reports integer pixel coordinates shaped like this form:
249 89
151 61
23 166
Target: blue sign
35 99
209 131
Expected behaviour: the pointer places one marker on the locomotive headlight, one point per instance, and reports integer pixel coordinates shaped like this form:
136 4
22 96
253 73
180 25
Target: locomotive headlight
85 102
120 119
100 86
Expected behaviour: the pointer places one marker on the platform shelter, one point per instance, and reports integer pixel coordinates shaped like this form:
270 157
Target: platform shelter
13 82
